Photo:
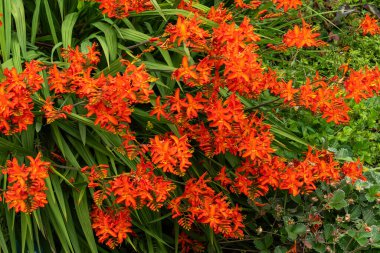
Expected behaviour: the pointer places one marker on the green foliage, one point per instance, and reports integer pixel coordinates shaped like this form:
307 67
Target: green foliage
361 137
332 219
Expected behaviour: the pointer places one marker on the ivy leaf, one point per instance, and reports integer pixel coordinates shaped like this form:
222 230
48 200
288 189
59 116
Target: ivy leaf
337 201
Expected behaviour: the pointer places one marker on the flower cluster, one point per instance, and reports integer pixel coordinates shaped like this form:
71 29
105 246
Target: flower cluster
317 95
369 25
354 170
200 203
187 30
111 226
26 184
362 84
52 114
328 97
302 37
228 127
121 9
110 98
253 4
287 4
229 47
171 154
139 188
16 104
188 245
254 178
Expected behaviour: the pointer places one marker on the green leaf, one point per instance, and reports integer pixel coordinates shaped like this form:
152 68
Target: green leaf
337 201
280 249
174 12
283 132
82 132
35 21
67 28
27 138
111 38
360 237
26 233
6 145
369 217
295 230
3 244
5 30
158 66
133 35
16 54
106 50
328 230
18 14
59 194
65 149
51 23
158 8
71 230
24 230
10 216
372 193
81 209
55 216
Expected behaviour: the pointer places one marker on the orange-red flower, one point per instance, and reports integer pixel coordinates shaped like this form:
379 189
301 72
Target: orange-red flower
111 226
26 184
253 4
171 154
354 170
287 4
141 188
52 114
16 104
185 71
121 9
158 109
223 178
219 14
362 84
320 96
369 25
302 37
288 92
110 98
188 245
95 173
188 31
200 203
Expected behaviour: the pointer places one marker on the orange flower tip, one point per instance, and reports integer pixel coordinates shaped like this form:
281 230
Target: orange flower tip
260 204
